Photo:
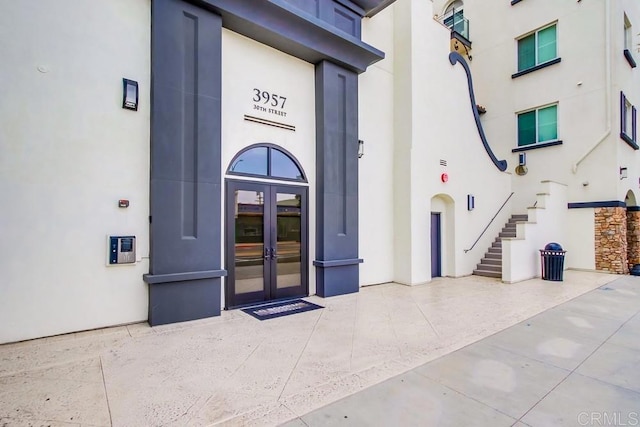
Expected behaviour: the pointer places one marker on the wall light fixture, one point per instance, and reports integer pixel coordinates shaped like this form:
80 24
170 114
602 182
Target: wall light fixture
623 173
130 94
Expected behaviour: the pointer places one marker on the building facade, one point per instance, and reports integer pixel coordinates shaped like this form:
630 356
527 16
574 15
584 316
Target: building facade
560 85
164 160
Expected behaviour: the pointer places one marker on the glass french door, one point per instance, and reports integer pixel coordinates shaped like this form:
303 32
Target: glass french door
266 242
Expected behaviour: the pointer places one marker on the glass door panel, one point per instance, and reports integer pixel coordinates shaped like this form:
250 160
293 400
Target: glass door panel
266 242
289 240
249 242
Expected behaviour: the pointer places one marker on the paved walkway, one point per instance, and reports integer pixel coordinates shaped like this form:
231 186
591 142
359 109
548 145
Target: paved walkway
577 364
236 370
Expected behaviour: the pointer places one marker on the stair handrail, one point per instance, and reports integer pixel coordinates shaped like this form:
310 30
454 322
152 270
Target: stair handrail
490 222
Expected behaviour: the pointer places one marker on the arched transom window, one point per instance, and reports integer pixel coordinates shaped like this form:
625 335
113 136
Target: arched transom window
266 161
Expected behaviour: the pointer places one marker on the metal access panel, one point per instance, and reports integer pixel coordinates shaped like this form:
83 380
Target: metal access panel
122 250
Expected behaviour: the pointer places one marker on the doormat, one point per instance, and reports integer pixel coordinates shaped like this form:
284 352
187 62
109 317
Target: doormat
279 309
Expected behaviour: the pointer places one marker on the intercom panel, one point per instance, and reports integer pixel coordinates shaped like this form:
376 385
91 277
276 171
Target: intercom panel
122 250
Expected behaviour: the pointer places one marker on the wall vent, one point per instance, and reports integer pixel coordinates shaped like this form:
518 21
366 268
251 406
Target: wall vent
443 162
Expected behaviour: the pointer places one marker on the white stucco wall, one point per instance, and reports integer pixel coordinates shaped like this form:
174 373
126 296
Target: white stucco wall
580 245
586 84
626 79
247 64
546 224
68 153
375 168
434 121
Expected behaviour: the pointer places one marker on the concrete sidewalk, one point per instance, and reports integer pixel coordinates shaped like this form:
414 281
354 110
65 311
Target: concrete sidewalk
577 364
236 370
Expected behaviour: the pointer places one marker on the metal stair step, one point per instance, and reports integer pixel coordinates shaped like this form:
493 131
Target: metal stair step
487 274
487 267
491 264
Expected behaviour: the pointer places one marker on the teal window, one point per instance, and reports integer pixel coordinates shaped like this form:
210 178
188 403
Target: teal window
537 48
538 126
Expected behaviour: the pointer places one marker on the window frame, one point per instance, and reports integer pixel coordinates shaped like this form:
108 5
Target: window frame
628 41
454 10
537 143
270 148
537 65
626 107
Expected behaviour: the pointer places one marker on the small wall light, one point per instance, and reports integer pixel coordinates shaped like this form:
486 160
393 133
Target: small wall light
522 159
521 169
623 173
130 94
360 148
471 202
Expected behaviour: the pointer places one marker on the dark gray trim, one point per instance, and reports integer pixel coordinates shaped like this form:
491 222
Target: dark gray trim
515 2
270 291
629 141
536 146
285 27
536 68
181 277
462 39
361 7
629 57
338 263
186 86
337 179
455 57
372 6
184 300
352 6
270 146
633 208
602 204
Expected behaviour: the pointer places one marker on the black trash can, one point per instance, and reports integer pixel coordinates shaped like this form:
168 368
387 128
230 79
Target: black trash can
552 262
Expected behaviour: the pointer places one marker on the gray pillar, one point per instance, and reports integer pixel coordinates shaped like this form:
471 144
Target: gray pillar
337 260
185 262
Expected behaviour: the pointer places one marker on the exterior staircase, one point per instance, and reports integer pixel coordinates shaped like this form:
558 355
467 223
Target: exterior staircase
491 264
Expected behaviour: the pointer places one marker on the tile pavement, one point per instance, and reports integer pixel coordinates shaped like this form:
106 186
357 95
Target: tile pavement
236 370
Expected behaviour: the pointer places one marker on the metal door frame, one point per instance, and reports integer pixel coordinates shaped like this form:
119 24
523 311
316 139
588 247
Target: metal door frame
438 244
270 233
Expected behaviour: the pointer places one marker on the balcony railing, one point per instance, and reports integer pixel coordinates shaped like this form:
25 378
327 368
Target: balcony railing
458 23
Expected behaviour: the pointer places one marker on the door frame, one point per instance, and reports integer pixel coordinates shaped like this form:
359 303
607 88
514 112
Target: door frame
270 232
436 252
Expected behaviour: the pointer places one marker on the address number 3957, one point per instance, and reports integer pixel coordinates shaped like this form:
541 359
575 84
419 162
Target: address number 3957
271 99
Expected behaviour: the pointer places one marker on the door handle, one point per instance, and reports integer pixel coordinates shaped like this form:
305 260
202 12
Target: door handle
270 253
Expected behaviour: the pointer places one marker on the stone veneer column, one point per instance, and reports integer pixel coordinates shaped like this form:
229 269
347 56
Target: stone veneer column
633 237
611 239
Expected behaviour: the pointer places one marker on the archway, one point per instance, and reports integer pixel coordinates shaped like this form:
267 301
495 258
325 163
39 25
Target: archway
442 236
267 226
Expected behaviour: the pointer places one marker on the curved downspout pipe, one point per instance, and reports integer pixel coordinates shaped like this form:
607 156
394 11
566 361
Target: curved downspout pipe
607 89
